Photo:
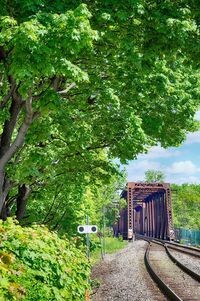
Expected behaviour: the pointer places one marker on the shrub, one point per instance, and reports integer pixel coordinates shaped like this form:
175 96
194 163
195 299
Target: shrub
120 237
37 265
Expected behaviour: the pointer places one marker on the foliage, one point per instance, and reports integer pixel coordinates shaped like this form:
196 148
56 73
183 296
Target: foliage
154 176
186 205
112 245
38 265
92 82
66 207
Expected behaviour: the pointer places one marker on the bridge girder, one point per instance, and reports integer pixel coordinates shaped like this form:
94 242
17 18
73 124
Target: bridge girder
155 217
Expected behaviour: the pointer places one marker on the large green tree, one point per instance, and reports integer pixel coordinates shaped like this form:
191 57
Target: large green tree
79 82
186 205
152 175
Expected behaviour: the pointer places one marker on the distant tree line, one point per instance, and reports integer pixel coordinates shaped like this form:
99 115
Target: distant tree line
185 200
186 205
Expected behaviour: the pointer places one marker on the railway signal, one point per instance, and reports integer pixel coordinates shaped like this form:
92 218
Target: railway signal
86 229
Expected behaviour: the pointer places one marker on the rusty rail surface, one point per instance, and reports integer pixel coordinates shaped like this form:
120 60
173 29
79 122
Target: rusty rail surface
161 284
175 289
184 249
193 251
182 266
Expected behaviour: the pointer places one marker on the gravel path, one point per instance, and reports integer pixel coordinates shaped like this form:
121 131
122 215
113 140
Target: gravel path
123 277
193 263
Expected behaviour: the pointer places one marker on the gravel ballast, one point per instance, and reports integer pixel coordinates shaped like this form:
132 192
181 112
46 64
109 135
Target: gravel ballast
193 263
123 276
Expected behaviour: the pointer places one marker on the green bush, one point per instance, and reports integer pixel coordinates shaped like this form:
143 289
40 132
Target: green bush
37 265
120 238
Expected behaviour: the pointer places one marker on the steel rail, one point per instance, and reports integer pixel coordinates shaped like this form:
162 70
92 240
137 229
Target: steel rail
162 285
182 266
175 260
182 248
172 243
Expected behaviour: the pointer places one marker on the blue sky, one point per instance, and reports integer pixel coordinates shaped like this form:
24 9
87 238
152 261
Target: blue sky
180 164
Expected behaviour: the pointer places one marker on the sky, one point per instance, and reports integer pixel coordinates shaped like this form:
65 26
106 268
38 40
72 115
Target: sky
179 164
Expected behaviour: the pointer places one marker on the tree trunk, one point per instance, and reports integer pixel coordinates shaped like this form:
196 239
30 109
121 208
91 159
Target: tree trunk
5 141
9 125
24 192
1 189
4 189
8 148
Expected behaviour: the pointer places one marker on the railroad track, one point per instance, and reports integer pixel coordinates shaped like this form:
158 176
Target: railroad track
192 251
184 249
176 280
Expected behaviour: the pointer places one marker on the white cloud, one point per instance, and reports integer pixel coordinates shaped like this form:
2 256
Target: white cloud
181 180
183 167
159 152
136 178
136 169
178 172
143 165
197 115
193 179
193 138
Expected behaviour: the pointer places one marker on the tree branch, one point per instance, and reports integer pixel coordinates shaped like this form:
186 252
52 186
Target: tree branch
89 148
71 86
10 124
59 221
42 93
52 205
7 97
55 83
19 140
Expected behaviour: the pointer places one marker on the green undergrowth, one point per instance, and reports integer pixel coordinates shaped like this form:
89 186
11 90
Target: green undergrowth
37 265
112 245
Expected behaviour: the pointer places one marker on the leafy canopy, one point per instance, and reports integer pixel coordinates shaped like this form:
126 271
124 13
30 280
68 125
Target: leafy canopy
154 176
186 200
100 80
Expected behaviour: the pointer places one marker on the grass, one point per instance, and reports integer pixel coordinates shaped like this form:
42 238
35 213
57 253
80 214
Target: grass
112 245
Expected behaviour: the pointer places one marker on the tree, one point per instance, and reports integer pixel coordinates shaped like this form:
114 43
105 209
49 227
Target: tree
82 85
185 201
32 70
154 176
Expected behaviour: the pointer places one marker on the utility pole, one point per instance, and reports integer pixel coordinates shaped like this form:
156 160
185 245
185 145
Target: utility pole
88 239
104 228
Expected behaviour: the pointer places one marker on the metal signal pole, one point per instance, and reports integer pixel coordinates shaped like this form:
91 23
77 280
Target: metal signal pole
88 239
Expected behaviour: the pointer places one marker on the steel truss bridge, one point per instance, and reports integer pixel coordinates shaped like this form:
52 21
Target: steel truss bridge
149 211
